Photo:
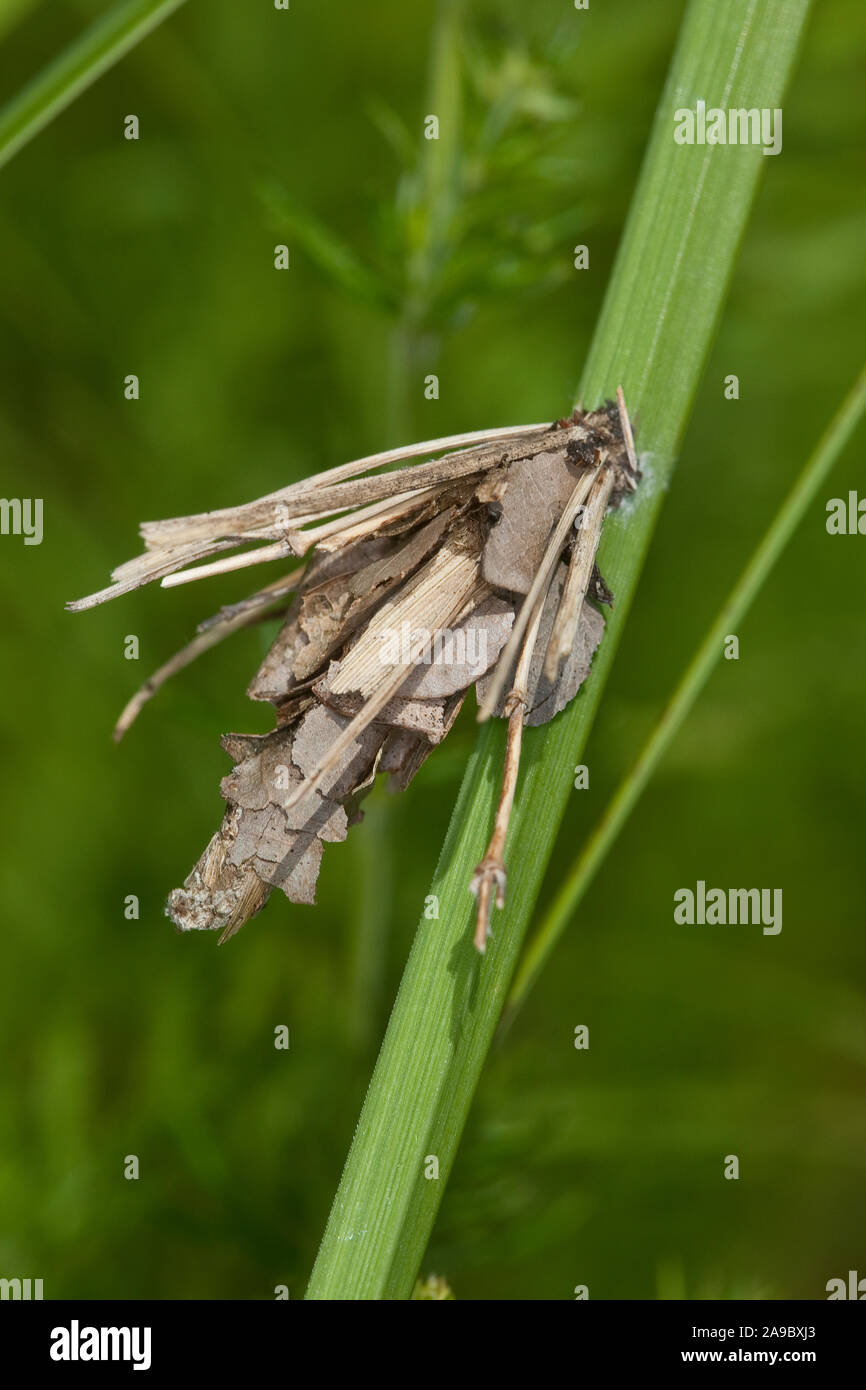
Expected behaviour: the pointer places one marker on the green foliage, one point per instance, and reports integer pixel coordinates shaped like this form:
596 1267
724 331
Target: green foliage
103 45
660 312
734 609
433 1289
486 206
117 1036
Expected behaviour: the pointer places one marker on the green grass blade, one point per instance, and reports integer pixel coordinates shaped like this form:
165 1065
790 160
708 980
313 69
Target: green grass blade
12 12
737 604
440 160
334 258
685 224
98 49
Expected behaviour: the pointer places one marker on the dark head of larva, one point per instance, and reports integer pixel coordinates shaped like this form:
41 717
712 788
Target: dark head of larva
595 432
599 435
584 448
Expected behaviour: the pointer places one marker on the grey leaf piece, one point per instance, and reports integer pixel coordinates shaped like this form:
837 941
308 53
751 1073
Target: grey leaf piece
546 698
532 501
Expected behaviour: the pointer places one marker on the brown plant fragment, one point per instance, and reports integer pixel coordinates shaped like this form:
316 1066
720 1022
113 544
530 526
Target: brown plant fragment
476 567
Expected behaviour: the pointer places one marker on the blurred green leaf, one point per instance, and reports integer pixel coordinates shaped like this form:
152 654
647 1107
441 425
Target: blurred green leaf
11 11
334 258
98 49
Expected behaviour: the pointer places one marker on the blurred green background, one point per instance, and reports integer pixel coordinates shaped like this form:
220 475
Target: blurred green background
408 257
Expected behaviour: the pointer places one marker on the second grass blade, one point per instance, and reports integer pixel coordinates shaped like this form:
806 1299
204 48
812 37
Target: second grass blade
98 49
665 296
737 604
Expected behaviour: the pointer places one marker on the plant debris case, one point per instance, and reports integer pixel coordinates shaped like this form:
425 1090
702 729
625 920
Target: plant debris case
473 568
